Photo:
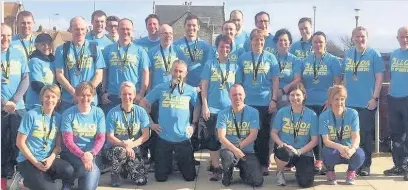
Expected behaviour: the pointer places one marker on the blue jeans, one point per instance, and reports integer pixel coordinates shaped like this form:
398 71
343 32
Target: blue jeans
87 180
331 158
367 123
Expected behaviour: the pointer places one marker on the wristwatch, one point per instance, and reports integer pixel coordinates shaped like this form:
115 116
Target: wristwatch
375 98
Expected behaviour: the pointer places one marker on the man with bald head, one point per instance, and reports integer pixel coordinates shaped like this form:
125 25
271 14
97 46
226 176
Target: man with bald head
14 84
398 101
77 61
237 17
161 58
125 61
237 128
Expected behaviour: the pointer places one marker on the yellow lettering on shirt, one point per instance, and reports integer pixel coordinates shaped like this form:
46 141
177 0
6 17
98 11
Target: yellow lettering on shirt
216 75
159 64
244 128
322 71
120 128
364 65
131 59
333 131
15 67
288 127
39 131
84 129
172 101
399 65
48 76
263 67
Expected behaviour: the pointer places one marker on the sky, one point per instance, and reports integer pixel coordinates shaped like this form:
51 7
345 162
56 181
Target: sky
336 18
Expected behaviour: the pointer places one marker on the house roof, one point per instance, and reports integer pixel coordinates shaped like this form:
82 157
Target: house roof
11 9
169 14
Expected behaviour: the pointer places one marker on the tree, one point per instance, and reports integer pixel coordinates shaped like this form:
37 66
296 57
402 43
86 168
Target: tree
334 49
346 41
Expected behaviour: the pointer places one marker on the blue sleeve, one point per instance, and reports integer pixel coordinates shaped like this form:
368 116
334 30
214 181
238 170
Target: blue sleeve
297 66
153 95
314 130
355 122
100 61
101 121
144 61
247 45
277 121
239 74
106 53
274 70
292 49
194 96
151 58
378 64
323 124
144 119
66 121
336 67
24 65
206 73
26 123
254 119
221 121
59 60
110 122
35 70
210 53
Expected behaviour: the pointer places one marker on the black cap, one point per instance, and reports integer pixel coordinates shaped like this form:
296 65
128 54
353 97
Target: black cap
43 38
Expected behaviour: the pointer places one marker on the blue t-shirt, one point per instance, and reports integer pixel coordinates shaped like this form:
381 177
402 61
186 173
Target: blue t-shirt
101 42
308 126
269 46
289 66
36 130
201 54
116 122
157 67
258 93
399 73
83 126
328 127
241 38
136 61
250 121
41 71
327 69
28 43
361 90
87 68
174 110
218 98
146 43
301 49
18 66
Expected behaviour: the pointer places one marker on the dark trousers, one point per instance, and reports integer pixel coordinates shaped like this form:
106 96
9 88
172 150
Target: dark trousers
398 126
249 168
9 151
39 180
264 135
303 164
212 142
317 150
367 123
164 159
331 158
150 145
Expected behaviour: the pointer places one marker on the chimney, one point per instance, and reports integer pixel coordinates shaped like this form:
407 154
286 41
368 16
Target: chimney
54 28
40 28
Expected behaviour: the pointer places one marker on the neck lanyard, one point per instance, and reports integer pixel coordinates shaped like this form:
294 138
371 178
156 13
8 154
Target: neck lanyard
27 52
124 59
128 123
296 126
280 63
355 65
302 44
6 70
192 55
46 137
224 79
317 68
237 126
168 62
78 61
179 86
256 67
339 135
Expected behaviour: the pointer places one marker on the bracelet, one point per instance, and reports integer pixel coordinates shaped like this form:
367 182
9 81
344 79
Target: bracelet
276 101
283 91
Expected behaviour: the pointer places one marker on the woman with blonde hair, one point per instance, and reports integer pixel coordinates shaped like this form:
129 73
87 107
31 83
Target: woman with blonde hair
39 141
339 127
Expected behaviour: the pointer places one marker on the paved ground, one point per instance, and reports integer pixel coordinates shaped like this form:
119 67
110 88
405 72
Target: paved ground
377 181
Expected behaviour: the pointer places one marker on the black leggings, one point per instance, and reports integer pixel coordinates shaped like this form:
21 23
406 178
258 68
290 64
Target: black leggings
39 180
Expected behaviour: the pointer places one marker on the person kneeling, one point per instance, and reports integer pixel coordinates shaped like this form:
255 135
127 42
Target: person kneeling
39 141
339 127
127 127
237 139
295 131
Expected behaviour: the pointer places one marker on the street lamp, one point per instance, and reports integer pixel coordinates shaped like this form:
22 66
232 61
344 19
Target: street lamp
49 20
357 15
314 19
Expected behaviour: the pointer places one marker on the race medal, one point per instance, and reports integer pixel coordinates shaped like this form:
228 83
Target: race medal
222 86
282 75
5 81
166 73
45 146
316 80
122 68
78 73
254 81
355 77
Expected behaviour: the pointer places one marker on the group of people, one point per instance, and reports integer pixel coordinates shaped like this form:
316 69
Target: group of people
110 99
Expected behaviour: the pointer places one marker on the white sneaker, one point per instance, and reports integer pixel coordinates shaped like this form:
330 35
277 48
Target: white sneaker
18 182
280 179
